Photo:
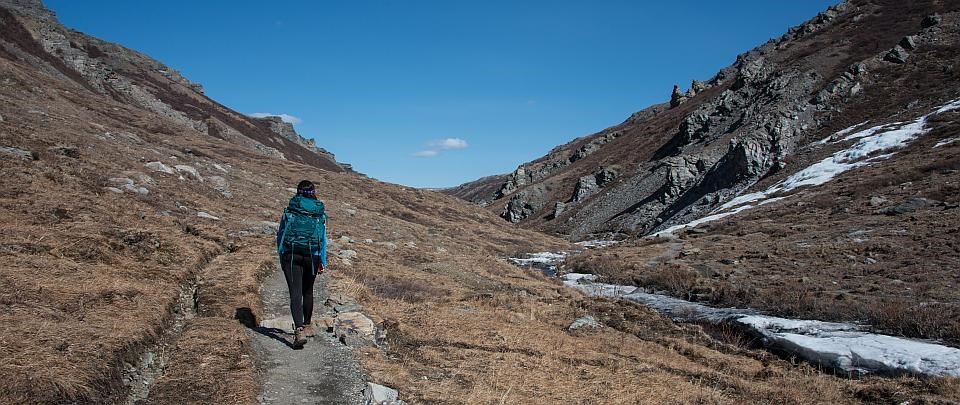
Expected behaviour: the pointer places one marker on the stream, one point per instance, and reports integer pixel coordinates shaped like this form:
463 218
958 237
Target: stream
840 346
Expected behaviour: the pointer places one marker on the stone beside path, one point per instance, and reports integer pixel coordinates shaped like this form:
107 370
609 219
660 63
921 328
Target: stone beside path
325 370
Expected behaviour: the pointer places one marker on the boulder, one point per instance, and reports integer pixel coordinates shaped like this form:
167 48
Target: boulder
202 214
586 186
120 181
558 209
388 245
376 394
897 55
909 42
16 153
858 69
135 189
355 329
931 21
347 307
910 205
856 89
877 201
189 170
220 184
607 175
261 227
681 174
346 256
159 167
584 322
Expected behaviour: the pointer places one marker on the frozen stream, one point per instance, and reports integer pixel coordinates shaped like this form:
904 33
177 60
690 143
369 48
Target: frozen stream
840 346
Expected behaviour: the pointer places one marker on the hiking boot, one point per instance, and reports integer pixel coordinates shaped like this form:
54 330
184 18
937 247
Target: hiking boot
309 331
299 338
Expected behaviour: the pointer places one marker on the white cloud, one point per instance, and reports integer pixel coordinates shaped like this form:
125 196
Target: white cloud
448 143
285 117
434 147
426 153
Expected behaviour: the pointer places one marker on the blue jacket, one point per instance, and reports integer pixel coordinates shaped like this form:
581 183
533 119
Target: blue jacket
299 203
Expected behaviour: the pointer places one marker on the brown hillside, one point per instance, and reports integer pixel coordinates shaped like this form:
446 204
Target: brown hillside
131 227
674 162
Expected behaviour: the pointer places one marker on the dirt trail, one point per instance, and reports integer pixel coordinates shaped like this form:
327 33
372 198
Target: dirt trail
323 372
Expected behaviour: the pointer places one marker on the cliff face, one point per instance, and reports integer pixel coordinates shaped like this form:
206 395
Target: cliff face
677 161
32 34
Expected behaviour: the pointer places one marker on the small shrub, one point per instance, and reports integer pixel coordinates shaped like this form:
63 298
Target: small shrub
679 281
404 289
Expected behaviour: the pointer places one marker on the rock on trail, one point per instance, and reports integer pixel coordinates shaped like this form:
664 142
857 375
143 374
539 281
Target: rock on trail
323 372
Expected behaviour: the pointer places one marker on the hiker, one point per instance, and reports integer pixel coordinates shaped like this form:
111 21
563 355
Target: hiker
302 247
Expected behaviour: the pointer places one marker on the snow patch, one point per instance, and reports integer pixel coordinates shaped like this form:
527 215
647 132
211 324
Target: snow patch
539 258
596 244
546 262
870 141
845 347
842 346
840 133
946 142
694 223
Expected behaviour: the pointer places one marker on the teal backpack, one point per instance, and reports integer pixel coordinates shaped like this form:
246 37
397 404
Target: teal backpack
304 230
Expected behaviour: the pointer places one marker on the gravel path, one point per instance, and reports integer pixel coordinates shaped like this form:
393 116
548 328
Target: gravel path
323 372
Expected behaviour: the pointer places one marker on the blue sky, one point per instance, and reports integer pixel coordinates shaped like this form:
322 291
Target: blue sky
436 93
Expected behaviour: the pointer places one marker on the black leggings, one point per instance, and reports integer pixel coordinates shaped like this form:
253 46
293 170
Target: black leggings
300 277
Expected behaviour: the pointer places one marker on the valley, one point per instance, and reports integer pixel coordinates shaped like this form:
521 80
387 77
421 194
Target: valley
139 218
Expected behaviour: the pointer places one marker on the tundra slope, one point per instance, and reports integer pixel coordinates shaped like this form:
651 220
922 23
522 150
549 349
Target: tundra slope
130 77
674 162
158 210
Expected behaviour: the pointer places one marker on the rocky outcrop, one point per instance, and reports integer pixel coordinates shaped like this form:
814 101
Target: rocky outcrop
682 159
286 130
897 55
678 97
524 204
557 159
590 184
32 35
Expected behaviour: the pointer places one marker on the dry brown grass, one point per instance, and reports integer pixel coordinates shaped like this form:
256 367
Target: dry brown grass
498 336
90 279
212 363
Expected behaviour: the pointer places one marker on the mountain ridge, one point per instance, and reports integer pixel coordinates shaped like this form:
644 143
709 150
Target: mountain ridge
129 76
676 161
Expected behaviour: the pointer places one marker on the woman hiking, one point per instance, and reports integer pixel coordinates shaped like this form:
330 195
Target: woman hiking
302 247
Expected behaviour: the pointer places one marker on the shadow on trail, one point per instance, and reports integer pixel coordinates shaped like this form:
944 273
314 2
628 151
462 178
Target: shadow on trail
248 319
